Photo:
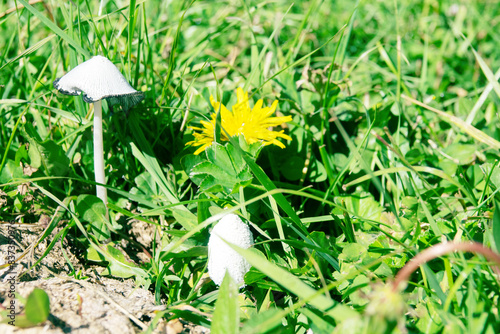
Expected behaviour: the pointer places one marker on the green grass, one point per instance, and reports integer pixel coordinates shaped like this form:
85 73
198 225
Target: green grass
395 149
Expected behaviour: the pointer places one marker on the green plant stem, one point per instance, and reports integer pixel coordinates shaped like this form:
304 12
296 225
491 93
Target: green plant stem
440 250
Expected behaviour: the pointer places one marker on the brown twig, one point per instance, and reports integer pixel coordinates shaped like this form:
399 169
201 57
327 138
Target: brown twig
440 250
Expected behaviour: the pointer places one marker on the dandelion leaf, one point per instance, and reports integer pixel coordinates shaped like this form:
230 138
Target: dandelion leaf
223 171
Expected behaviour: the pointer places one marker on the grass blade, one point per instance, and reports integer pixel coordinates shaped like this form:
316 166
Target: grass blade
286 279
496 226
55 29
226 315
263 52
464 126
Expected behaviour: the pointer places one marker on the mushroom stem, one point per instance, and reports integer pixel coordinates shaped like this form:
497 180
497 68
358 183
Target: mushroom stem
99 155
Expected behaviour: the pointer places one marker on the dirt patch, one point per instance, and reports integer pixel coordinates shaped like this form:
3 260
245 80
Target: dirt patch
94 304
79 306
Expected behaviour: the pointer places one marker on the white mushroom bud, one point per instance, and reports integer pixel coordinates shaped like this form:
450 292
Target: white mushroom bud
98 79
221 257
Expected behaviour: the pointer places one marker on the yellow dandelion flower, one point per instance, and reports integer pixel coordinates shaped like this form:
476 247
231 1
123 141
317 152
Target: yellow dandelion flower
254 124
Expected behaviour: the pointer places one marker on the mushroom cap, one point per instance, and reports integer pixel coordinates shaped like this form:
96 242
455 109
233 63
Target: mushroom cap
97 79
221 256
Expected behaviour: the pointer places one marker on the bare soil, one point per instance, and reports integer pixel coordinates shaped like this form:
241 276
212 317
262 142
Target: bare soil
94 304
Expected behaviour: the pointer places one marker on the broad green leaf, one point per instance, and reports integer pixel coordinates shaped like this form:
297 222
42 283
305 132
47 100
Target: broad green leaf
359 296
383 270
352 252
146 185
225 158
21 153
462 154
91 209
364 207
215 178
93 255
188 162
252 149
37 306
223 171
49 157
317 171
263 322
292 167
226 319
10 172
120 267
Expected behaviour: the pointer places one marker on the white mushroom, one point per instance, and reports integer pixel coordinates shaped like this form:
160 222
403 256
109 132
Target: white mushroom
98 79
221 257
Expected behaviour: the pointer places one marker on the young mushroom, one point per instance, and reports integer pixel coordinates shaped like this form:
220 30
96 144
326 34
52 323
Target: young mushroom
221 257
98 79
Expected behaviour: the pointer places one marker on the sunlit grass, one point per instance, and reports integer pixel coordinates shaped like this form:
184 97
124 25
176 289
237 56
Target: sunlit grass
394 148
